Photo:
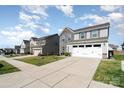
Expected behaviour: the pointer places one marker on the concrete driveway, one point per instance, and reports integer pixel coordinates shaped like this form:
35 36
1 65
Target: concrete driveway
71 72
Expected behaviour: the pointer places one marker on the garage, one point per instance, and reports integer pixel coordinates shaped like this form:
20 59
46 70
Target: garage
93 51
37 51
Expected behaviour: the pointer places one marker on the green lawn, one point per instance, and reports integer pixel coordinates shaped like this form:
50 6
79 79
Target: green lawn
110 72
40 60
119 57
7 68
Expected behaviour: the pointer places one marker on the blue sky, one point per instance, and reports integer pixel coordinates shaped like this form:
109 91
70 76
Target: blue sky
22 22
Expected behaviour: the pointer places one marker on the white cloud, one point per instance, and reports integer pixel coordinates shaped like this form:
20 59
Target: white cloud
14 37
28 18
66 9
36 9
31 25
45 29
24 17
60 30
35 17
96 19
33 21
120 28
47 24
116 16
110 8
18 27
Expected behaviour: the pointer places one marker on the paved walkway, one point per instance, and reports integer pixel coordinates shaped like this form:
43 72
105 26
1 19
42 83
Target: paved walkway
71 72
95 84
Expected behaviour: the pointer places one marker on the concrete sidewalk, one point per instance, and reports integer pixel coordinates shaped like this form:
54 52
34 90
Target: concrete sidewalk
71 72
21 65
23 56
95 84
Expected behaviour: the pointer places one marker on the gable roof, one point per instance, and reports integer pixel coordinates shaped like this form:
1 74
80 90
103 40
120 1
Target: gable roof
45 37
122 44
98 26
17 47
69 29
26 41
94 27
34 38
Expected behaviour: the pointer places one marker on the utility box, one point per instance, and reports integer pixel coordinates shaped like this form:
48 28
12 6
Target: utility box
122 65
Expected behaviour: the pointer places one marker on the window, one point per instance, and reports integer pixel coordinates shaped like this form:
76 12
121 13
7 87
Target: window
63 39
56 43
69 39
94 34
63 48
74 46
82 35
81 45
98 45
68 48
88 45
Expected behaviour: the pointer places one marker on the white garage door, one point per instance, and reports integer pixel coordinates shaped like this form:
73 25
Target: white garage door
36 52
94 51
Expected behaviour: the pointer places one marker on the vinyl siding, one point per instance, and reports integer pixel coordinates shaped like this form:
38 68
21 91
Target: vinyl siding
88 35
103 32
76 36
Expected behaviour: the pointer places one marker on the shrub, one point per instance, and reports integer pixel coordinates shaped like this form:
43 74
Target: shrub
43 57
67 54
11 55
40 54
1 65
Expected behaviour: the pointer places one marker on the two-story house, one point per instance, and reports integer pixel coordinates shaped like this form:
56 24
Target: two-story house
90 41
25 47
2 52
33 42
65 37
17 49
47 45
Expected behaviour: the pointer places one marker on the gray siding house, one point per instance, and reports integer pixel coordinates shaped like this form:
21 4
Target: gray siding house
90 41
25 47
17 49
33 43
66 36
48 45
2 52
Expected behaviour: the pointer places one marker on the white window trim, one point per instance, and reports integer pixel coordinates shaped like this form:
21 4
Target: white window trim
97 34
84 35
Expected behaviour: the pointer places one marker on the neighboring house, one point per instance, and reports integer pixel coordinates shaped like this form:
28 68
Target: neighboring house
33 42
91 41
112 50
17 49
25 47
2 52
48 45
122 46
9 50
113 47
66 36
